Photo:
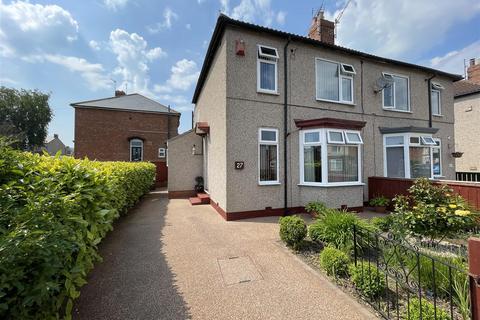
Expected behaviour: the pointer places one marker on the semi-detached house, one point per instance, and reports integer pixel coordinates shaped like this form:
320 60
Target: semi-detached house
282 120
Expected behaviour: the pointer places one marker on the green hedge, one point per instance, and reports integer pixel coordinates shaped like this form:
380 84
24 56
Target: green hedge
54 211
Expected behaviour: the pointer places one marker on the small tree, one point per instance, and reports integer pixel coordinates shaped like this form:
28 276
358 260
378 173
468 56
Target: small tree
24 116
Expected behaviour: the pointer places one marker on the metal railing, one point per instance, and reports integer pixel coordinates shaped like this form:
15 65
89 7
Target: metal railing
468 176
414 283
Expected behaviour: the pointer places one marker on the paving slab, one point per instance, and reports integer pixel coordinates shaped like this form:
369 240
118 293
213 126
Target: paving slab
170 260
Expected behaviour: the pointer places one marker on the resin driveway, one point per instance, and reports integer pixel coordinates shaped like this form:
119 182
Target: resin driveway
169 260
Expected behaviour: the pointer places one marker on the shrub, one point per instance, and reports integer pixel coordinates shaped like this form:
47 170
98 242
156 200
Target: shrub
334 261
368 279
316 208
380 201
54 211
383 223
427 312
292 230
335 228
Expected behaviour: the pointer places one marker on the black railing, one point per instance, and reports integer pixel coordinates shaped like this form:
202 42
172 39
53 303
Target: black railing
468 176
414 284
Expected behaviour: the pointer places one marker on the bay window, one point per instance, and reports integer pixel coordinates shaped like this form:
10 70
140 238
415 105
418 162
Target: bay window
437 158
267 69
329 157
268 156
334 81
396 95
410 155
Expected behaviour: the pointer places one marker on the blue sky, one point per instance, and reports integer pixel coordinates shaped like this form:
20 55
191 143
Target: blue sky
74 49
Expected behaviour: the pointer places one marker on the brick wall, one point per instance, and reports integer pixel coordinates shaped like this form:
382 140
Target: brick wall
104 134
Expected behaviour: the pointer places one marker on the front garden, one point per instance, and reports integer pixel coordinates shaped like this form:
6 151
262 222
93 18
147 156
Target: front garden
54 211
410 264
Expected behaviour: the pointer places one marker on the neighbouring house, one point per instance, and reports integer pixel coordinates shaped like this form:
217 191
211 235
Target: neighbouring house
467 123
282 120
53 145
127 127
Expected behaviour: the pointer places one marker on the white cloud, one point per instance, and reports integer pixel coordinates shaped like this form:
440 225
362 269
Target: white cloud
95 45
188 26
133 58
400 29
253 11
453 61
183 75
115 4
7 81
168 17
179 103
34 28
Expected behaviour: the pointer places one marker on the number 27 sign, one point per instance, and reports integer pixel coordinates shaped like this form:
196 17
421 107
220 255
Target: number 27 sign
239 165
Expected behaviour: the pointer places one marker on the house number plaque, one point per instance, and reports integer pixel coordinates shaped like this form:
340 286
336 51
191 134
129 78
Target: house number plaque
239 165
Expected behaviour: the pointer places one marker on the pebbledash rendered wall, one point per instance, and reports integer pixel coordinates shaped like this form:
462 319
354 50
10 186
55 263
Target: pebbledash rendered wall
247 111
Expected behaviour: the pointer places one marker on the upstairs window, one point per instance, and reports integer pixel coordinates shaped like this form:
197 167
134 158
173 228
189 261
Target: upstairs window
396 94
435 92
162 152
136 150
268 156
267 69
334 81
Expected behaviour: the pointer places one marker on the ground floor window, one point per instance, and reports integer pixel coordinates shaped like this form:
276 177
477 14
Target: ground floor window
411 155
329 156
136 150
268 156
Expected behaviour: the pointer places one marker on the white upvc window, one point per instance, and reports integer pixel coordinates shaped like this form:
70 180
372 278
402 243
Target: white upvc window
136 150
267 69
334 81
437 158
162 152
436 98
268 165
409 155
329 158
396 95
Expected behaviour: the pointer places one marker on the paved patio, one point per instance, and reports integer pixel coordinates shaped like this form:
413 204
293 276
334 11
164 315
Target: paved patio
169 260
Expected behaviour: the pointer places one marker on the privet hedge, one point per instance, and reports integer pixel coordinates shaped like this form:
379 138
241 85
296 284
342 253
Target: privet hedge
54 211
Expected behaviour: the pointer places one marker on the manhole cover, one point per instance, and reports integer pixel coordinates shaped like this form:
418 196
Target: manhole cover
238 270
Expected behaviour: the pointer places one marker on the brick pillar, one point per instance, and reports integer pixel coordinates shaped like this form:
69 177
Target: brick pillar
474 269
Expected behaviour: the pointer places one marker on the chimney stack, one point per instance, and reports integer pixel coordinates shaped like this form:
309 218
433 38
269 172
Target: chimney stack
55 136
473 71
321 29
119 93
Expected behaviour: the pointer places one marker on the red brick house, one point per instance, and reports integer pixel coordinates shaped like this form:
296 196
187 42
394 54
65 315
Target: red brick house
128 127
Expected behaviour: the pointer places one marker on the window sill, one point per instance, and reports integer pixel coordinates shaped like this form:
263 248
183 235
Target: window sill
333 184
395 110
438 115
269 183
273 93
352 104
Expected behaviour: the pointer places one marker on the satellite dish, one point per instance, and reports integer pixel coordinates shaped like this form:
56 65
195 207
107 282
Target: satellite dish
382 83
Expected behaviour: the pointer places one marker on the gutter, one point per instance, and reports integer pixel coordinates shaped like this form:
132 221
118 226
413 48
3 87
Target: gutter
285 126
429 81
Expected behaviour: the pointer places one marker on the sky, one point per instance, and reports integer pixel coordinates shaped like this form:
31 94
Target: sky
82 50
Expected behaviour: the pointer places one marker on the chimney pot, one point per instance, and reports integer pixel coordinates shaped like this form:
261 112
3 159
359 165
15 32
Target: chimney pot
119 93
55 135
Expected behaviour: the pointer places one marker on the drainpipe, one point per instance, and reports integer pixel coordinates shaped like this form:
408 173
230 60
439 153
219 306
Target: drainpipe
168 123
285 125
429 81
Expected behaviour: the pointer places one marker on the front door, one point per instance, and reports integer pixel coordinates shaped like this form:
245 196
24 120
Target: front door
205 162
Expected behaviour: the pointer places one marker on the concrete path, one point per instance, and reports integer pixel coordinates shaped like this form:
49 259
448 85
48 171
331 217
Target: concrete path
169 260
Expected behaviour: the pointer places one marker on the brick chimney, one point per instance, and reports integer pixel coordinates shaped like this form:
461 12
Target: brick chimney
473 71
119 93
321 29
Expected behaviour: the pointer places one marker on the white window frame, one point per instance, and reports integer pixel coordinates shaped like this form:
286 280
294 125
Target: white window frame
269 59
353 132
394 107
268 142
439 147
341 74
436 87
162 153
323 143
130 149
406 150
335 142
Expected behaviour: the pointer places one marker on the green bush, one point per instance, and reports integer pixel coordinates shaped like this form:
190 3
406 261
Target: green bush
427 312
316 208
335 228
384 224
368 279
293 230
54 211
380 201
334 262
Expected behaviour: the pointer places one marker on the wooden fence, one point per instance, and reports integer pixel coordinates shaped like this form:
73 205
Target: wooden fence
390 187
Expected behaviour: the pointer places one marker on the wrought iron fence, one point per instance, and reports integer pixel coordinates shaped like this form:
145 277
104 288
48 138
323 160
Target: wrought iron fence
413 283
468 176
